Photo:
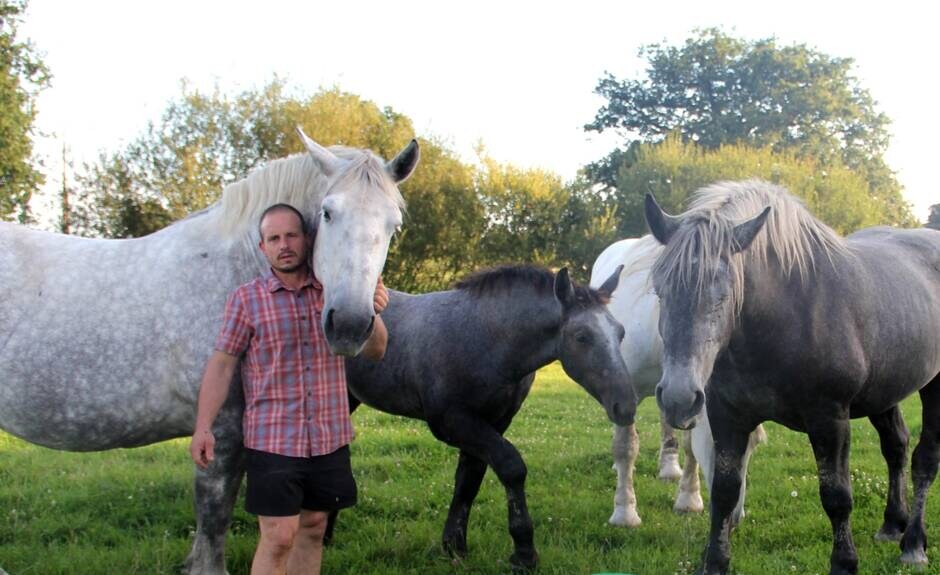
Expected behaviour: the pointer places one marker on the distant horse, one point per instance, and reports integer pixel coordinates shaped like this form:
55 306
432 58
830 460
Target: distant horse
797 325
464 361
636 307
103 342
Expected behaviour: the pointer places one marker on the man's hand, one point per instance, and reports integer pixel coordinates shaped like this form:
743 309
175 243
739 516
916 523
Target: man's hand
380 300
202 448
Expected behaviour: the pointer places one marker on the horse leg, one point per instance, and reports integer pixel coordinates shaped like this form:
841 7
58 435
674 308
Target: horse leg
625 446
757 437
894 438
334 514
216 489
467 480
668 451
730 444
689 496
923 470
703 449
479 439
830 435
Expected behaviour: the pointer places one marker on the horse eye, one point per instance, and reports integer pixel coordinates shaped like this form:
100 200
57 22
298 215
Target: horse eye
582 337
326 215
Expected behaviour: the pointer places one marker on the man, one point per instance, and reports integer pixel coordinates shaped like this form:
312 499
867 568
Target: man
296 424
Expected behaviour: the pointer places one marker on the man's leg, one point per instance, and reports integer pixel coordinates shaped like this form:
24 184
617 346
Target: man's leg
307 552
274 546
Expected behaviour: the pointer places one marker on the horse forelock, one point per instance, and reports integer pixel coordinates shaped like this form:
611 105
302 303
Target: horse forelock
297 180
792 237
500 280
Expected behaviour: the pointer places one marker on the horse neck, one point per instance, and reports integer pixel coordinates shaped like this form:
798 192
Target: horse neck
528 326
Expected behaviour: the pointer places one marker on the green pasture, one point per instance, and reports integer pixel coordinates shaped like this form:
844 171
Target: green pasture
130 511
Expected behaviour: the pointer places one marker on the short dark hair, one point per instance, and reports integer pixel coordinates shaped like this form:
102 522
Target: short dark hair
279 208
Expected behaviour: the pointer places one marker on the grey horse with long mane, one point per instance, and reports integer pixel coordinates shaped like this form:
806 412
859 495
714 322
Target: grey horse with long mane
771 315
464 361
103 342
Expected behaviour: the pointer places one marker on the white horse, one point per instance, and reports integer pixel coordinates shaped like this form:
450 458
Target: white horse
635 306
102 342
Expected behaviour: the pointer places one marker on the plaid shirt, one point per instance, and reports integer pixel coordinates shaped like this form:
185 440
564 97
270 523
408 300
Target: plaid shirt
295 389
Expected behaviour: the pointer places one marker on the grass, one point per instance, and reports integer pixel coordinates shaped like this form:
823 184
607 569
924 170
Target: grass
130 511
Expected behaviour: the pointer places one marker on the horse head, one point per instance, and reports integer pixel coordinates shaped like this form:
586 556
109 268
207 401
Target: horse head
589 346
359 214
698 282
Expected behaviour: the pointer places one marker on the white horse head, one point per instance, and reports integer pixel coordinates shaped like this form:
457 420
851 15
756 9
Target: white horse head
359 214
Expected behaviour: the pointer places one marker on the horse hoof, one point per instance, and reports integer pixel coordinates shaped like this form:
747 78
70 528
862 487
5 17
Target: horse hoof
523 564
624 517
915 558
888 534
688 503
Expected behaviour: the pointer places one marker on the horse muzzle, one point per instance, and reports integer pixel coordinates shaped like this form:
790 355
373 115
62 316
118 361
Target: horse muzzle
346 333
681 404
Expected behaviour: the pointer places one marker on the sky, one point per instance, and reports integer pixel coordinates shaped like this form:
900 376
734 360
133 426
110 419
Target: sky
517 76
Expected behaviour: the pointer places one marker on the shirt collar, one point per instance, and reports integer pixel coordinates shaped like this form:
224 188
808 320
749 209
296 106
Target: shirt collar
274 284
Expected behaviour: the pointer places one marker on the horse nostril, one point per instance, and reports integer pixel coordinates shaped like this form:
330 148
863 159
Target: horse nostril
659 396
328 327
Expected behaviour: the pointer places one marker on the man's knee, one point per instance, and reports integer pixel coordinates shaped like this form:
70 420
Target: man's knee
277 533
313 524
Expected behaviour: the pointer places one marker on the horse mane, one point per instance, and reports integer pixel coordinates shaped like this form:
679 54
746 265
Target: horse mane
642 256
791 235
298 181
502 279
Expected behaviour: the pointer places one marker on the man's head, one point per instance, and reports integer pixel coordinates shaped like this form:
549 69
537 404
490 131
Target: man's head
283 238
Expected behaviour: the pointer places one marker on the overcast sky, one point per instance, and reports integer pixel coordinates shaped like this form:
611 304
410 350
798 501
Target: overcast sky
518 76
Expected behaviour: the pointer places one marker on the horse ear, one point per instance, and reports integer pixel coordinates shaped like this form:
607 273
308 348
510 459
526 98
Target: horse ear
608 287
564 291
745 233
661 224
402 165
327 161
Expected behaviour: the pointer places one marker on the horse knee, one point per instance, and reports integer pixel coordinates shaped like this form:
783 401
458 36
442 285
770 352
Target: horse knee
836 498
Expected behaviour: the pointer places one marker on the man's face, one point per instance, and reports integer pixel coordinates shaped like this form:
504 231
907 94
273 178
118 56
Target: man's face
283 241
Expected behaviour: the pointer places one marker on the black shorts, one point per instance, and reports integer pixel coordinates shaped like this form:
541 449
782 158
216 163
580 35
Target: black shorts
280 486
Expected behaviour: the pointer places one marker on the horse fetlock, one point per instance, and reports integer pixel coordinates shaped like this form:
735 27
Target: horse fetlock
669 469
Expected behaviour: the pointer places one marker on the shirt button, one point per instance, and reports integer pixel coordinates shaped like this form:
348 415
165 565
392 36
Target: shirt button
303 318
306 343
306 368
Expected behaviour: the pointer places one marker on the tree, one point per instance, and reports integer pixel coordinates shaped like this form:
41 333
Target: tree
717 90
204 141
933 221
672 169
22 76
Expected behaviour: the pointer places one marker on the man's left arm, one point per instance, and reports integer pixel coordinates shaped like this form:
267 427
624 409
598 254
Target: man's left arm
374 348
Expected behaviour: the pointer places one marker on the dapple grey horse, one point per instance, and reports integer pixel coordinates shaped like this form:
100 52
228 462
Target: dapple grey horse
464 360
103 342
771 315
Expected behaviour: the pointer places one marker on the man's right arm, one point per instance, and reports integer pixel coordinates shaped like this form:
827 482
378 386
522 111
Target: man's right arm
212 394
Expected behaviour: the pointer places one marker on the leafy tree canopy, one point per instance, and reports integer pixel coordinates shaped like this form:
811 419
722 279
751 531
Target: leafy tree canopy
22 75
718 90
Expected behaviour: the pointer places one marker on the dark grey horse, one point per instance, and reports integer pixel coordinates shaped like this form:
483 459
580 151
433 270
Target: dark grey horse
464 361
797 325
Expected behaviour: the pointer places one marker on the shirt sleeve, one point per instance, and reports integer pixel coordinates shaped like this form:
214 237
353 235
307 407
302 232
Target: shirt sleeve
237 330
